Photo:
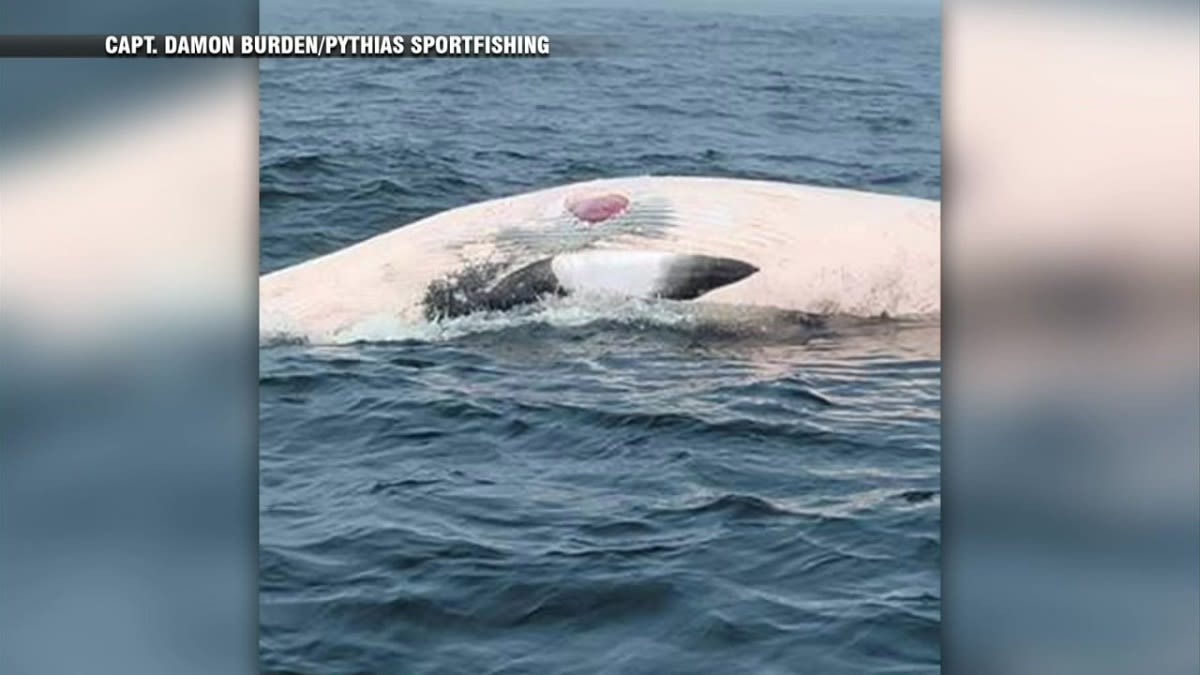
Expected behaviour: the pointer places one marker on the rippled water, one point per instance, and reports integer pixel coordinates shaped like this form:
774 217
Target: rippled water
597 489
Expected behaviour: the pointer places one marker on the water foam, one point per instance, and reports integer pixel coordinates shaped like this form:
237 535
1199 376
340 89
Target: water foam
575 311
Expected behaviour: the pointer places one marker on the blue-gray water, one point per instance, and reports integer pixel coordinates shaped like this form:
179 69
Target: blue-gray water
554 495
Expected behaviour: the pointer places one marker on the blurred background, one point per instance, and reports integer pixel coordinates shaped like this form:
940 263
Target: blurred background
1071 470
1071 451
128 407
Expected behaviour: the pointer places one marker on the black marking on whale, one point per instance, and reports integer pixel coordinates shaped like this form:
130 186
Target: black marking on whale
646 274
461 292
690 277
527 285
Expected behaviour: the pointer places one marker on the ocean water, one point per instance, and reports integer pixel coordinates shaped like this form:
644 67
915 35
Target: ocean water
582 489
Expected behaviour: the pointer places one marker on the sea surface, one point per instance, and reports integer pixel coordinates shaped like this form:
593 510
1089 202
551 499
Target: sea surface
582 489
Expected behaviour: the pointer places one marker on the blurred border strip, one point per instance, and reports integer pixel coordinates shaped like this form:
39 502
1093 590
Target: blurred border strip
128 291
146 214
1071 465
128 346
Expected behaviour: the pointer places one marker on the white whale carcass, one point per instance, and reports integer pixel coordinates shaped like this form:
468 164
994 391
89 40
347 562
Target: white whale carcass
728 242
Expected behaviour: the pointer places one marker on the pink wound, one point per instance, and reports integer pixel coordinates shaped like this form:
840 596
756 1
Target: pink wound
599 208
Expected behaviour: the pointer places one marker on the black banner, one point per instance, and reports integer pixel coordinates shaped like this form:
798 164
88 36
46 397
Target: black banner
276 46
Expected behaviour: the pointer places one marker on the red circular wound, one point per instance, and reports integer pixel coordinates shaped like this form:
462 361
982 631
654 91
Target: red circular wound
599 208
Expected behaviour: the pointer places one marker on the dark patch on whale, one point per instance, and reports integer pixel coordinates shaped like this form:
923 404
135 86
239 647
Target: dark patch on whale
692 276
647 274
460 292
525 286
